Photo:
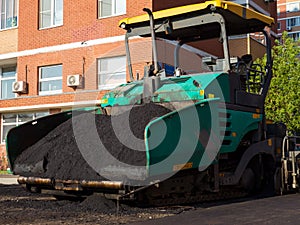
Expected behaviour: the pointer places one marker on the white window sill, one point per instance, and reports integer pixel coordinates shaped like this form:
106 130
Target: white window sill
113 15
108 86
43 93
9 28
54 26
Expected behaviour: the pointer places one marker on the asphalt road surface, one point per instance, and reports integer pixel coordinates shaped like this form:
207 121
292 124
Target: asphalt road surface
273 210
21 207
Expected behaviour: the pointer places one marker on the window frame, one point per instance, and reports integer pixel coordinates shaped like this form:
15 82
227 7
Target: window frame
113 9
293 21
51 92
294 35
5 79
17 122
120 70
52 14
14 12
295 5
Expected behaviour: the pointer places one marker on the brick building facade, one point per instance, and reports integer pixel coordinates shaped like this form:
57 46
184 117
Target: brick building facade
46 41
288 12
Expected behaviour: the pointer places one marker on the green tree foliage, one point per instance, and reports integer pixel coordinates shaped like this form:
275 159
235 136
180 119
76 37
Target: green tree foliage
283 100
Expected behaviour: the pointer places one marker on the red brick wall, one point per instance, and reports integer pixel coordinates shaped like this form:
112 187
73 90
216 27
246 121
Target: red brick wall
74 61
270 7
80 23
10 38
238 47
51 99
165 4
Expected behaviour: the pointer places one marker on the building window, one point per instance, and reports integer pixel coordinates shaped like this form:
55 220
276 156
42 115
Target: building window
8 76
50 80
51 13
291 22
295 36
10 121
9 13
111 7
278 26
111 72
292 7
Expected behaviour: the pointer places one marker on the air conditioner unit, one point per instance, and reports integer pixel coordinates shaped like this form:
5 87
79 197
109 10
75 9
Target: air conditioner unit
288 28
74 80
19 87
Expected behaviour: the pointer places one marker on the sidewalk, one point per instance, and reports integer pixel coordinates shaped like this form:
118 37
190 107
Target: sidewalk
8 179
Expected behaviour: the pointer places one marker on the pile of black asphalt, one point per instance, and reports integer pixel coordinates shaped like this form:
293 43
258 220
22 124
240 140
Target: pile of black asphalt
60 155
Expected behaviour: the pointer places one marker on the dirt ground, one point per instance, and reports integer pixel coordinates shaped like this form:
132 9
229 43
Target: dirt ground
21 207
